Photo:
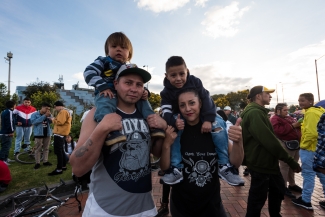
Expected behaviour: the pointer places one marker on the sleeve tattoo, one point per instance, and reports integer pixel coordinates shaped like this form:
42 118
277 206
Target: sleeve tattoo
83 149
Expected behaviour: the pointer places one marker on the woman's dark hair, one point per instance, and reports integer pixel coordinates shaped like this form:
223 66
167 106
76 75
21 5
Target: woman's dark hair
223 115
175 61
189 90
308 96
66 144
280 106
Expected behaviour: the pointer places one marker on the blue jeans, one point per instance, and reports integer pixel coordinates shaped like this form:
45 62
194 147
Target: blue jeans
5 147
22 133
220 140
308 174
105 105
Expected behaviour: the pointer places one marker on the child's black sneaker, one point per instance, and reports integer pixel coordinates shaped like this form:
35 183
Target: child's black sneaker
37 166
47 164
115 137
157 133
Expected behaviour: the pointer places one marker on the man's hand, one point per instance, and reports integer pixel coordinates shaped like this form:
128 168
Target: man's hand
179 123
111 122
235 132
170 136
108 93
48 113
155 121
206 127
296 125
145 95
19 123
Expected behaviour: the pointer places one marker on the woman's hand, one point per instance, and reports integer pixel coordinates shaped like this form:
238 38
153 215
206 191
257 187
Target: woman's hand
235 132
170 136
206 127
179 123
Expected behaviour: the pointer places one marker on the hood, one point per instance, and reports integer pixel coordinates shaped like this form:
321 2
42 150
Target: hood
69 110
168 85
316 109
252 106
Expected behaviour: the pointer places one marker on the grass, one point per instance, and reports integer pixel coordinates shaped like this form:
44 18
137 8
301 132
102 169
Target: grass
24 176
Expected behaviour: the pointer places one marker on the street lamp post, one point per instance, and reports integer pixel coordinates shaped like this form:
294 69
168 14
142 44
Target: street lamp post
317 76
147 71
8 58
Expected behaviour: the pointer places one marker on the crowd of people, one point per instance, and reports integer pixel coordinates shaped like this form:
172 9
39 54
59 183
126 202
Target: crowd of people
197 143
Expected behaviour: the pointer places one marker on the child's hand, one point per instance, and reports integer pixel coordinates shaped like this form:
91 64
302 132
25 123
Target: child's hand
179 123
108 93
145 95
206 127
170 136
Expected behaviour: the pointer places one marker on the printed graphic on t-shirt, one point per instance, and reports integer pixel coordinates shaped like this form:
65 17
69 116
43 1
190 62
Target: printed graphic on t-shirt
132 156
200 172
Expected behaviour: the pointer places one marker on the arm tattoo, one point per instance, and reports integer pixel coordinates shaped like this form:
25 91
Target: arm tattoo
82 150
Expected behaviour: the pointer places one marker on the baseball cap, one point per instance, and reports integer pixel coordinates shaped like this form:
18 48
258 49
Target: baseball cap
258 89
227 108
133 68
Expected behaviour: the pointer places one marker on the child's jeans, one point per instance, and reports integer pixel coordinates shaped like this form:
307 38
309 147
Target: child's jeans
220 140
105 105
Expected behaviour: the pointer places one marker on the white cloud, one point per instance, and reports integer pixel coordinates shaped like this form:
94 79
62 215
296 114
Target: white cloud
158 6
220 21
200 3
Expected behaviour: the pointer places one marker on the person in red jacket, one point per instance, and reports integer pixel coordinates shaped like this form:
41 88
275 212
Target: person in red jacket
23 124
287 128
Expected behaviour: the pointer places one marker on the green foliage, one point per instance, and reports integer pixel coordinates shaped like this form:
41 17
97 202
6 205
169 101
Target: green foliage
39 97
293 108
15 98
154 100
75 130
236 100
41 86
4 97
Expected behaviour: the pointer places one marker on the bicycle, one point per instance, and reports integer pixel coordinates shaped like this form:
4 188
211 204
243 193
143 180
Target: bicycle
27 157
29 202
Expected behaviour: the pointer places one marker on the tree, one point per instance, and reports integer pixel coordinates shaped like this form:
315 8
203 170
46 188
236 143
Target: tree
4 97
41 86
237 99
154 100
39 97
221 101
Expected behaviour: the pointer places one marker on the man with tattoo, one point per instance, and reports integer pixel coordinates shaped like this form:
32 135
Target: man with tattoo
121 173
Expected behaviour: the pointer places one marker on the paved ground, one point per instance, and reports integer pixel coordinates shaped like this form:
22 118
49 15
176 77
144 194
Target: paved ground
234 200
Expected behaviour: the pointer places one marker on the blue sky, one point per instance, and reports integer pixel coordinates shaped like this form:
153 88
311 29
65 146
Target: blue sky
229 45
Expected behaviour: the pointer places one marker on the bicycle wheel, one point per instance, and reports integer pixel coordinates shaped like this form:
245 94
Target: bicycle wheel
27 158
18 200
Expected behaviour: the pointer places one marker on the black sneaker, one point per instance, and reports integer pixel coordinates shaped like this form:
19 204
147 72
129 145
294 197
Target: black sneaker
55 172
295 188
322 203
47 164
303 204
115 137
288 193
163 210
37 166
64 168
16 153
157 133
23 146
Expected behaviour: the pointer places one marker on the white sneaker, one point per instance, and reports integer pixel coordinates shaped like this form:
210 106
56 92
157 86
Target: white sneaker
230 174
9 160
8 164
173 176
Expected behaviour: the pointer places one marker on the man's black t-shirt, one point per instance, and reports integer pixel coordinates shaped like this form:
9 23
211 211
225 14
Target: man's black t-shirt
44 124
199 193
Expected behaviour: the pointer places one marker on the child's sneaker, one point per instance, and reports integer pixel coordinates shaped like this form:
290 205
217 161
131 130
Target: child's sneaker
115 137
158 133
172 176
230 174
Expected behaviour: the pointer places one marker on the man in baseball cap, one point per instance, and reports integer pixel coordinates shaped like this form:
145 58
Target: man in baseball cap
258 90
